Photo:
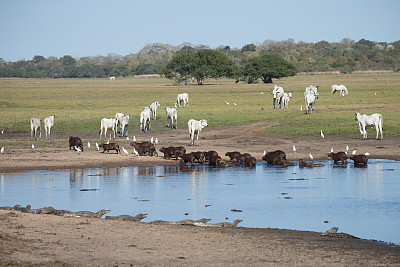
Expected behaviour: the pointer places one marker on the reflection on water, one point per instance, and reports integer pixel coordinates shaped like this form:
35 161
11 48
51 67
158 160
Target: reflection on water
364 202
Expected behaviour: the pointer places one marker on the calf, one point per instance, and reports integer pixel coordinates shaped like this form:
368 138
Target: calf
199 156
75 141
187 158
270 156
209 154
340 156
110 146
234 155
250 162
215 161
359 159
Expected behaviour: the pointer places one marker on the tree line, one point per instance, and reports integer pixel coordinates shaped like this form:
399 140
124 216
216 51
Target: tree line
345 56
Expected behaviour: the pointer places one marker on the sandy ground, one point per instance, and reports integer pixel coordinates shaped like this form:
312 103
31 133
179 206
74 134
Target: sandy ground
30 239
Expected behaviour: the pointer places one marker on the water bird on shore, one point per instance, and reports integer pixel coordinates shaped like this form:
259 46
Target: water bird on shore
234 103
301 108
322 134
33 147
354 152
88 145
156 141
347 148
332 150
135 152
311 157
124 150
2 150
127 138
134 138
367 154
77 149
294 149
152 140
227 103
97 146
2 132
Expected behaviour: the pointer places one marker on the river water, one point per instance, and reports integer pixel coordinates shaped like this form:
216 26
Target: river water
364 202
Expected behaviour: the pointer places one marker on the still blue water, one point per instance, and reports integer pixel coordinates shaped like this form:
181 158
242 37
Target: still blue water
364 202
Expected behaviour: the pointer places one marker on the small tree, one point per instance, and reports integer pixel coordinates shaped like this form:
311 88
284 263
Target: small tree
268 67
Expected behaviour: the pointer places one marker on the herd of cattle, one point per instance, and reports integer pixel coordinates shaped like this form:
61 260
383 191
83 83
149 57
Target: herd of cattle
121 122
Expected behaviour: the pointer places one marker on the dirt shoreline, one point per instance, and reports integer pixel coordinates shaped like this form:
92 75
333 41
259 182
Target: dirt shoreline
31 239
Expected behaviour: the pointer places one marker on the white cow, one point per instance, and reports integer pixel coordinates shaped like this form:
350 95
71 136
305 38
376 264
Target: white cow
124 122
118 121
153 108
343 90
277 92
374 120
145 120
286 97
107 124
184 97
35 126
195 128
172 115
310 95
48 125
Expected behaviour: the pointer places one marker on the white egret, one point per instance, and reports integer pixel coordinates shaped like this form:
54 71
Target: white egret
262 93
33 147
294 149
125 151
234 103
366 154
322 134
2 150
347 148
354 152
127 138
301 108
97 146
227 103
135 152
332 150
77 149
2 132
88 144
152 140
264 153
134 138
311 157
156 142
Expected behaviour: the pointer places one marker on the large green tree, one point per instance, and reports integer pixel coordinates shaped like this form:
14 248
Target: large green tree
200 65
268 67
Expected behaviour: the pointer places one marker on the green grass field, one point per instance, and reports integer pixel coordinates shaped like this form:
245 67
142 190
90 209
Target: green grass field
80 104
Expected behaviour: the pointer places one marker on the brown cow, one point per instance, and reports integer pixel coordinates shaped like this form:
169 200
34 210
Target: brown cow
209 154
234 155
340 156
110 146
250 162
75 141
270 156
359 159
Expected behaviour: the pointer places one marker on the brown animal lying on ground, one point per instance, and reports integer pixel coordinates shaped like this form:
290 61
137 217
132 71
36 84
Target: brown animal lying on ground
187 158
340 156
310 164
209 154
250 162
215 161
270 156
234 155
75 141
199 156
110 146
144 148
283 162
359 159
173 151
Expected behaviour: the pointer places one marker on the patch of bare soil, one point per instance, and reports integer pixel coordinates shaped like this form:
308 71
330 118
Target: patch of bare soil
37 240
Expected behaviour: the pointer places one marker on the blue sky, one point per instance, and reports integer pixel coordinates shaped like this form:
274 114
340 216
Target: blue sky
96 27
